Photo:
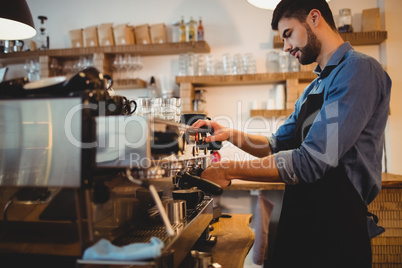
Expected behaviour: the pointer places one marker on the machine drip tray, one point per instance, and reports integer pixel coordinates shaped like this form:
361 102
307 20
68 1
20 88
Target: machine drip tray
187 234
155 227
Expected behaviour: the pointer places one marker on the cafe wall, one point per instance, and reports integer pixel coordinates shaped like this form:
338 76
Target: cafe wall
231 26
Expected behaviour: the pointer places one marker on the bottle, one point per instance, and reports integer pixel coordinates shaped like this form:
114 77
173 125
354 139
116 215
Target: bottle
182 30
43 37
200 31
152 88
191 30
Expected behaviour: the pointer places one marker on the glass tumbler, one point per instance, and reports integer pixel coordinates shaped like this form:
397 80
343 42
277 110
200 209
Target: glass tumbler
273 62
143 106
284 62
168 109
210 65
249 63
227 64
156 104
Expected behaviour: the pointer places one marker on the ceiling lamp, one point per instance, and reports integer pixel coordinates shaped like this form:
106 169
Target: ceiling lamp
266 4
15 20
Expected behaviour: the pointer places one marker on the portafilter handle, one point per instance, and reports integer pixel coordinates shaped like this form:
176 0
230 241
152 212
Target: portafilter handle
192 180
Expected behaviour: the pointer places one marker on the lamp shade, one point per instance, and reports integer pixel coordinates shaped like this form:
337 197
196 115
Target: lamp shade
15 20
266 4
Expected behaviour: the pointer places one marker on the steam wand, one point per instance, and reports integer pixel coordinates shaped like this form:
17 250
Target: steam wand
156 199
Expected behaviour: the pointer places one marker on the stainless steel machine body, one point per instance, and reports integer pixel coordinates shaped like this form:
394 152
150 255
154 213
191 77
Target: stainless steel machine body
64 146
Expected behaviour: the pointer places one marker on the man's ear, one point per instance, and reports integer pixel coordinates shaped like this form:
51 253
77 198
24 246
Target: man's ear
314 17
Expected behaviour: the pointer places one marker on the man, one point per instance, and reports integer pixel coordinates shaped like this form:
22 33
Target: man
328 152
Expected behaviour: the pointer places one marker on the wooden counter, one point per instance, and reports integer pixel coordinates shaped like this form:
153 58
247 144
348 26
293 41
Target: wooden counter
234 240
391 180
388 181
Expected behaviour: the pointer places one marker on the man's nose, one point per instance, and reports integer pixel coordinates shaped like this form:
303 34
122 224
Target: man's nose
286 46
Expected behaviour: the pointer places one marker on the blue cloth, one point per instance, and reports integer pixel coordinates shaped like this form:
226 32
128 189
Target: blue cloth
105 250
347 131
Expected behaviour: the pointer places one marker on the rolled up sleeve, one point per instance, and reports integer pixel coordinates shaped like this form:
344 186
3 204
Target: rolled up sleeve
284 163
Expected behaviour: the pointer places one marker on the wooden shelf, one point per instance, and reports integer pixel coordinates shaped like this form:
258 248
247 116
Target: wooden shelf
129 84
244 79
143 50
355 39
271 113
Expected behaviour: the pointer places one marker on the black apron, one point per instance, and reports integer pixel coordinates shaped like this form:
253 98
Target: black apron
322 224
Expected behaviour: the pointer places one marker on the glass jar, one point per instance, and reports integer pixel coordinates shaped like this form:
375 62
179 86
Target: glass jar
345 21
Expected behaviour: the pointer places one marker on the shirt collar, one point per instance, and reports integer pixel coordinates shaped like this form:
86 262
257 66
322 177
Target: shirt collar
334 61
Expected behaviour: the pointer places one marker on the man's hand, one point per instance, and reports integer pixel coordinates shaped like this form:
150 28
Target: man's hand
220 133
217 174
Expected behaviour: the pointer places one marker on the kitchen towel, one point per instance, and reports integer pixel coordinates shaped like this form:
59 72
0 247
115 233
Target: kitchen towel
105 250
262 217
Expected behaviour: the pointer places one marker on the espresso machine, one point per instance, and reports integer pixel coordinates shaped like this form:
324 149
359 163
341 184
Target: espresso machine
74 171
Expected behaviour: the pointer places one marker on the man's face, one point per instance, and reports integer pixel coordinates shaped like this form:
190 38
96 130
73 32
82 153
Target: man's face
299 40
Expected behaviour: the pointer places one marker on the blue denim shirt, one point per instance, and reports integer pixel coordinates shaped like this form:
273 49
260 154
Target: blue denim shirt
347 131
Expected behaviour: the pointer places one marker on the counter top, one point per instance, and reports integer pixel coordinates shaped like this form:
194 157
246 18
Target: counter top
234 239
391 180
388 181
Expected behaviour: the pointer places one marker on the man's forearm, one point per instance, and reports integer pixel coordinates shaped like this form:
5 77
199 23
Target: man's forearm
262 169
256 145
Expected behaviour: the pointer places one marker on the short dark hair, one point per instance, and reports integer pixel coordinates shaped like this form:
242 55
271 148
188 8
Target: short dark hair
299 9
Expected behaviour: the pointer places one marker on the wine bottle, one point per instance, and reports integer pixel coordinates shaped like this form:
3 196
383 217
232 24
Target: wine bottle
200 31
191 30
182 30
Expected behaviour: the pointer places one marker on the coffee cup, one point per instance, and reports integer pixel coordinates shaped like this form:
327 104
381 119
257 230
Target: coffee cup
192 196
120 105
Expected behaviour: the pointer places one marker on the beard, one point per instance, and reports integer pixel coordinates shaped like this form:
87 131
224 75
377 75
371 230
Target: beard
310 52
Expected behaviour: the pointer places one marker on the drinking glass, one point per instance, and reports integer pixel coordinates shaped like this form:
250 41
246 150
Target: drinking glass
144 106
294 65
138 65
178 110
249 63
227 64
32 67
238 66
156 104
116 66
168 108
191 64
201 67
273 62
210 65
284 62
182 65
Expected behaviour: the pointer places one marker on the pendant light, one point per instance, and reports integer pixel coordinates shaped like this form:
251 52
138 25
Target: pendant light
266 4
15 20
